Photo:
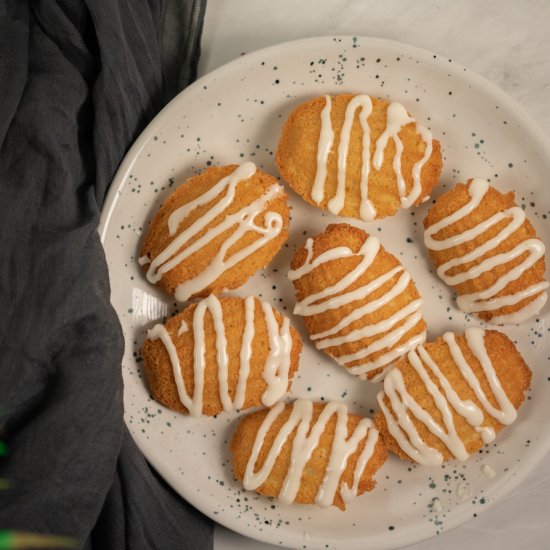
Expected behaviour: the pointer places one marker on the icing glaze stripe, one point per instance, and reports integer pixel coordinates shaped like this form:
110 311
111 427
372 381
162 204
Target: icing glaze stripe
303 446
326 139
244 220
334 297
277 364
446 401
486 300
335 205
373 305
396 118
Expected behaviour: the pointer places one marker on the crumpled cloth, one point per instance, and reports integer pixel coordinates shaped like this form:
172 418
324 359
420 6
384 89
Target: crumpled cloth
79 80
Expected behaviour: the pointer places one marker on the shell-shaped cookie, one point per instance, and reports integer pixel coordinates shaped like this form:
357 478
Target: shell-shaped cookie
215 231
358 156
488 252
449 397
359 303
221 354
309 453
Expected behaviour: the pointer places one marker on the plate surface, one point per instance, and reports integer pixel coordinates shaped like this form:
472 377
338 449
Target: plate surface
234 114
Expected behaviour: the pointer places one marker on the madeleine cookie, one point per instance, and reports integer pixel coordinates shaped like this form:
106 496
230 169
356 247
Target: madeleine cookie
485 248
360 305
215 231
221 354
309 453
449 397
358 156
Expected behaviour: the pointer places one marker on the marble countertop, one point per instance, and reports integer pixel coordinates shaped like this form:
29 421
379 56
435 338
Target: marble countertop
505 41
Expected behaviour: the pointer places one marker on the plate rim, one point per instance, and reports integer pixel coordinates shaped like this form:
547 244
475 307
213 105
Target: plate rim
133 152
528 125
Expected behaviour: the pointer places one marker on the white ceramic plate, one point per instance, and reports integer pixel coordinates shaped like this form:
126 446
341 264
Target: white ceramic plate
235 114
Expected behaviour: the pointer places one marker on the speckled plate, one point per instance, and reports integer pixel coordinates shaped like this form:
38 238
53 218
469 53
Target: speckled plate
235 114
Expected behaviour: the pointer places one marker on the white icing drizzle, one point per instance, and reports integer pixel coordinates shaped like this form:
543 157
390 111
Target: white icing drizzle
447 401
335 205
487 434
387 359
277 364
276 368
397 117
527 311
326 139
244 219
334 297
144 260
246 352
183 328
375 329
368 251
227 185
403 430
309 265
485 300
304 445
507 413
371 306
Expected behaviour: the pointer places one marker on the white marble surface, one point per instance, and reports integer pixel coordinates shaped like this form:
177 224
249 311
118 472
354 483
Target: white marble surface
506 41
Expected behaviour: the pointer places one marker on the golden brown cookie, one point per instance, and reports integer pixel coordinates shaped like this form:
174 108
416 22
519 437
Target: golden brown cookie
345 453
486 249
215 231
242 352
358 156
359 304
466 388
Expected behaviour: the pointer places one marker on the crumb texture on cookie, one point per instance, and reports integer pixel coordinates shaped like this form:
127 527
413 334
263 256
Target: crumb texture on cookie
449 397
358 156
221 354
486 249
359 303
309 453
215 231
